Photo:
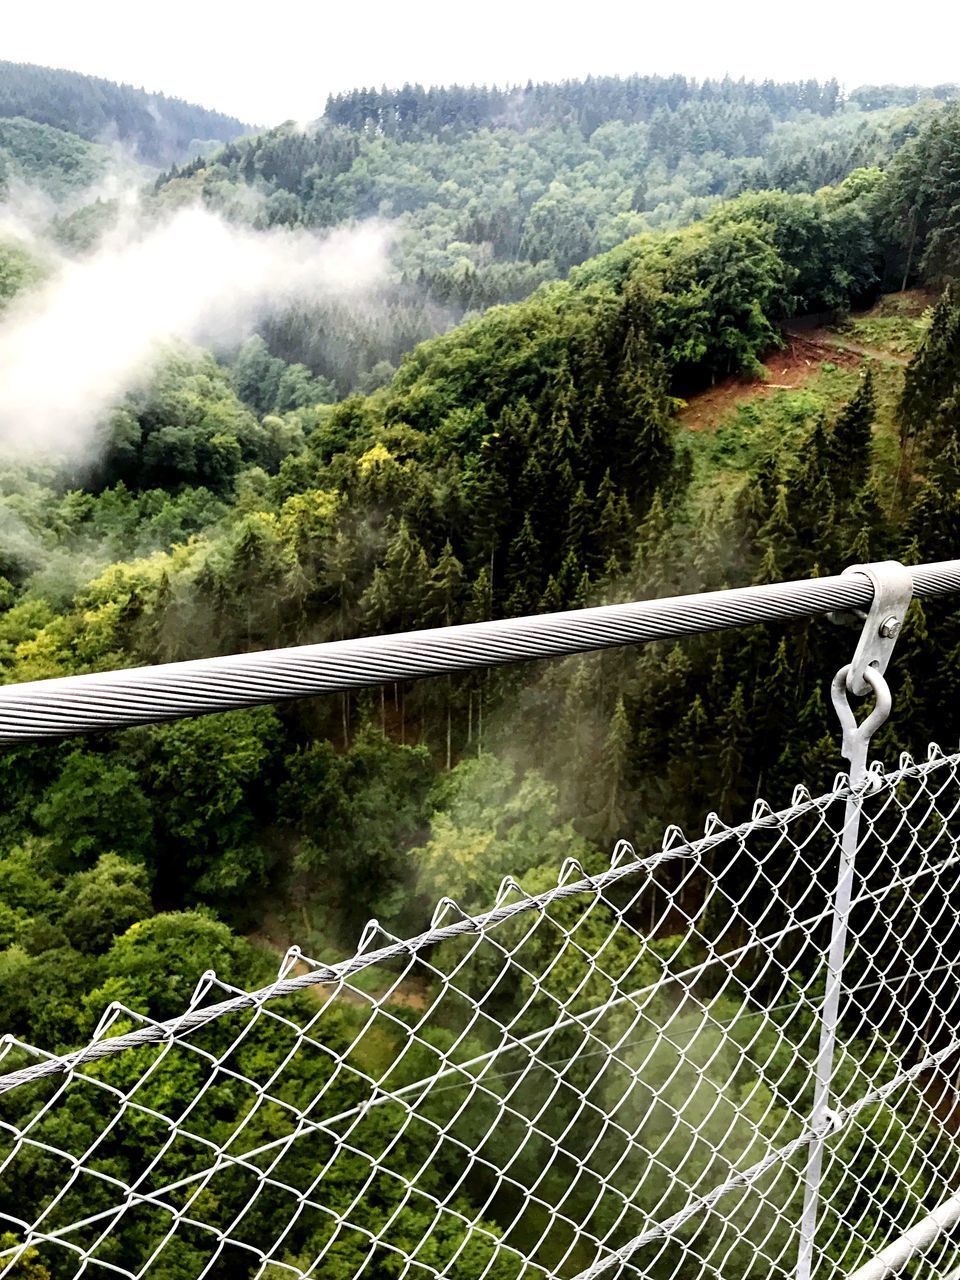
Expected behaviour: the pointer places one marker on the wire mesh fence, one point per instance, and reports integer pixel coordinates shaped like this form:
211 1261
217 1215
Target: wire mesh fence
613 1077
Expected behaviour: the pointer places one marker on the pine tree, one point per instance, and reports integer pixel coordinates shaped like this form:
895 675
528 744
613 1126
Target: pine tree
637 437
813 467
552 600
931 380
445 589
756 498
857 550
774 698
706 559
777 538
614 530
849 443
581 595
406 573
868 520
480 605
812 749
578 523
691 777
769 570
733 732
523 571
611 820
568 579
376 604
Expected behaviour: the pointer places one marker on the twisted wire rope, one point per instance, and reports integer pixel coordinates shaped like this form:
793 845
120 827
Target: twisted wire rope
70 705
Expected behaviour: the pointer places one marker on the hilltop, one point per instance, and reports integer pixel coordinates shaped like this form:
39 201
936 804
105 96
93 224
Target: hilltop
159 130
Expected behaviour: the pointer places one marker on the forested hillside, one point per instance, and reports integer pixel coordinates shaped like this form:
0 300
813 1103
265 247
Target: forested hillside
158 129
491 193
652 423
46 159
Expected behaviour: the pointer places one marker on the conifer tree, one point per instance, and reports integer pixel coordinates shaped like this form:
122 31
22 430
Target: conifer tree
568 579
931 379
581 595
611 820
849 444
376 603
769 569
756 498
406 572
578 523
777 539
690 772
614 527
733 732
552 599
637 437
445 588
480 603
523 571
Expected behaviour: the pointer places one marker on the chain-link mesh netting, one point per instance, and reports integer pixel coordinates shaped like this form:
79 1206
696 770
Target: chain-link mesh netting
614 1077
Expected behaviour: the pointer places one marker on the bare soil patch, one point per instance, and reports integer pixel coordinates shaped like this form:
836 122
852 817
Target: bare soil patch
784 370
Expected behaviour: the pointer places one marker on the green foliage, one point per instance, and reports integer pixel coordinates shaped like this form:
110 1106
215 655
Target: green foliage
49 160
105 901
922 199
705 330
490 822
159 961
27 1266
186 428
209 779
360 811
826 242
95 806
495 192
269 385
18 270
161 129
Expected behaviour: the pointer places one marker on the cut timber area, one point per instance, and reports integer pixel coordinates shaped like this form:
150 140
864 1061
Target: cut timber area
808 345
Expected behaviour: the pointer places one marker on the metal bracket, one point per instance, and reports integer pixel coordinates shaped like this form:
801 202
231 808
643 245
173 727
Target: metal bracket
892 593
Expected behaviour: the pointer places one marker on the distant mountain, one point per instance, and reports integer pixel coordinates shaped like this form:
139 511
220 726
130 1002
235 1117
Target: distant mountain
160 130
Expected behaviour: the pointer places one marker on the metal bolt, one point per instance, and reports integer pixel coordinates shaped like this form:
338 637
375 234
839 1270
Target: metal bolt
890 628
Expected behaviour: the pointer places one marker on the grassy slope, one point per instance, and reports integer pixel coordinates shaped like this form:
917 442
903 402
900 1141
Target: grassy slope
732 426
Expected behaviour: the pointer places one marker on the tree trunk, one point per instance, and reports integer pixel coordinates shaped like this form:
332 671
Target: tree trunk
913 242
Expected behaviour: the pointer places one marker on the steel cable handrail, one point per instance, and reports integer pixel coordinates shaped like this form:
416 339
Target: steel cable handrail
70 705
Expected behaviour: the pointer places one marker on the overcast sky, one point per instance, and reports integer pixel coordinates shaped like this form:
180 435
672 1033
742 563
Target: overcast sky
270 62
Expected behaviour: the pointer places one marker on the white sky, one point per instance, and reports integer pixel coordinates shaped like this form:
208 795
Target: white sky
267 63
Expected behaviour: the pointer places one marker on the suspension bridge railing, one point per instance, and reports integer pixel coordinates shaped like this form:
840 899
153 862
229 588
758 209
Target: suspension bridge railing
734 1056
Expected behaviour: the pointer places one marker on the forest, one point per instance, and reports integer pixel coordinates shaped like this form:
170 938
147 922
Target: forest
483 214
157 129
594 262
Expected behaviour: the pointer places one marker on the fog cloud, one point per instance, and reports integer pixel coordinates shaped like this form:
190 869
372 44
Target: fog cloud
71 349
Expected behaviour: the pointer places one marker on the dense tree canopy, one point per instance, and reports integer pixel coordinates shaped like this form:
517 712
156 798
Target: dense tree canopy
493 193
537 456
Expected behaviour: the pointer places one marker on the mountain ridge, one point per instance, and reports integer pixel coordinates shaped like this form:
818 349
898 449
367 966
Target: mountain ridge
161 129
